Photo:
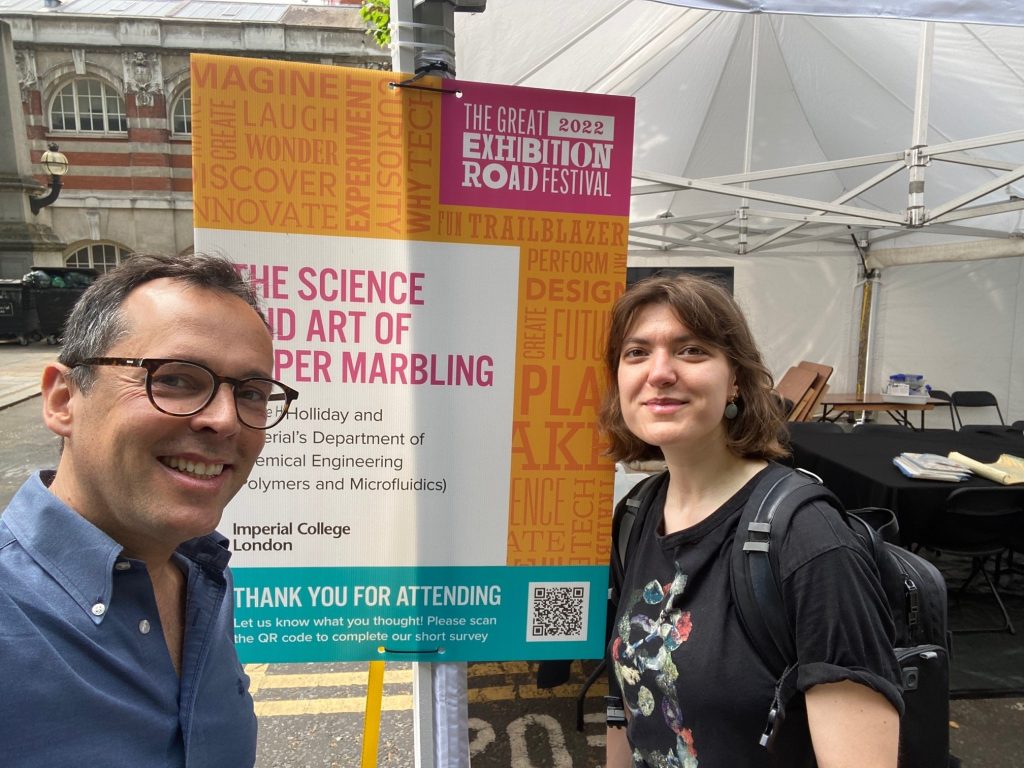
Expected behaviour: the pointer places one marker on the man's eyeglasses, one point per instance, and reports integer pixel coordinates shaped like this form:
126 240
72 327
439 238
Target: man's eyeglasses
182 388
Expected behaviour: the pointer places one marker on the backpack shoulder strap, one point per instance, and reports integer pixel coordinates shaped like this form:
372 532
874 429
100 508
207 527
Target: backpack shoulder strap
756 588
627 523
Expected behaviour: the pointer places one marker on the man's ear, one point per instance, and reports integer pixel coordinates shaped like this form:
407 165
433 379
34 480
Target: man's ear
57 394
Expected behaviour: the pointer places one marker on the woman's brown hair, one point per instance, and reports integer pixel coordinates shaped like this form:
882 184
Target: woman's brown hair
711 313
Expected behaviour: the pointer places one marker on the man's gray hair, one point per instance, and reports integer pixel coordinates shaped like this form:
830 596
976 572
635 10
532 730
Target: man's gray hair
97 321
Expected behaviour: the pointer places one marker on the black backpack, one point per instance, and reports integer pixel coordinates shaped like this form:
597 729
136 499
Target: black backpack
915 590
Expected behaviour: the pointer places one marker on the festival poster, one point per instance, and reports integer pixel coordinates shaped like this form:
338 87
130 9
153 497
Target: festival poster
437 269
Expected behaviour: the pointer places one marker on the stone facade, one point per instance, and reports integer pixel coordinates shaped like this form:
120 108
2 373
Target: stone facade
129 185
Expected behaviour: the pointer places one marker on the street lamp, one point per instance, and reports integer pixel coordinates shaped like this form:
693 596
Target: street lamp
56 164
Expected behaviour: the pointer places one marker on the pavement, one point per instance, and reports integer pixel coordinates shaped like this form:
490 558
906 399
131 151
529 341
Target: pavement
984 733
20 369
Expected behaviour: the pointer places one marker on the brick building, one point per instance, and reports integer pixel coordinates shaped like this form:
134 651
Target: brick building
108 81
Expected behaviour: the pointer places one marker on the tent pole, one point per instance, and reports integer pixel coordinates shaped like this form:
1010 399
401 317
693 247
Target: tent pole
917 157
866 329
916 160
748 144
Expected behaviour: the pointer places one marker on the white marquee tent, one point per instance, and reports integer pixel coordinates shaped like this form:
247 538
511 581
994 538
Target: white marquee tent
798 148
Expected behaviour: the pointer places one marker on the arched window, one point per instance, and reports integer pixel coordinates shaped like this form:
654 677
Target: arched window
99 256
88 105
181 114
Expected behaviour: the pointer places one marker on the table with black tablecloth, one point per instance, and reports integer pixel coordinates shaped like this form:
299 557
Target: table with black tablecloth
858 467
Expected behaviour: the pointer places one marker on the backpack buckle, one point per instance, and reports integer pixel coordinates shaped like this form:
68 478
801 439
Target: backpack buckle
768 734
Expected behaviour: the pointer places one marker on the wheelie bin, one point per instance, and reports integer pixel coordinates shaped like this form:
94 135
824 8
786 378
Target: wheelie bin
53 292
18 318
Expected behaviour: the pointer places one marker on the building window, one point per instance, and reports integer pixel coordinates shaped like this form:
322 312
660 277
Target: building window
88 106
99 256
181 114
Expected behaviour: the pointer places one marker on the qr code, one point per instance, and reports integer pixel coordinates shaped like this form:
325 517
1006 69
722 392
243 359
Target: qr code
557 611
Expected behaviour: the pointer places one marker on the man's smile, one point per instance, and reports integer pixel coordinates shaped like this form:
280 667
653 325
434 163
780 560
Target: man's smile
196 468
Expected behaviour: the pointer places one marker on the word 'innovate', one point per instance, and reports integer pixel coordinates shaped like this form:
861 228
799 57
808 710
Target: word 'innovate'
366 594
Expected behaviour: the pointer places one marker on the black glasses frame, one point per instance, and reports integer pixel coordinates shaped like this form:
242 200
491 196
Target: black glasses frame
151 364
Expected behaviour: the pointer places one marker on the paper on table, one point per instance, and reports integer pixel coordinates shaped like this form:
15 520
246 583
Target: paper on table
1007 469
935 461
912 469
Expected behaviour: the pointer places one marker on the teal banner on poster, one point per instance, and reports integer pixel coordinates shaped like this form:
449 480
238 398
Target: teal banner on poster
419 614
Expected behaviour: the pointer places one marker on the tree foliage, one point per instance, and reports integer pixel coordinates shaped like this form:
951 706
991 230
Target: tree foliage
377 14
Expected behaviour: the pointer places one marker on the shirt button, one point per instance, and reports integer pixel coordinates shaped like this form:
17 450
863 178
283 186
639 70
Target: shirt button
99 609
144 627
122 565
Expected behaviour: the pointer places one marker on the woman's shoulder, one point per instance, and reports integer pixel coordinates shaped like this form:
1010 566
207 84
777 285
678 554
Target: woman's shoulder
817 531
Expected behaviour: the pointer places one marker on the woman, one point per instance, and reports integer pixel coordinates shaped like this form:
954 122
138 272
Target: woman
687 384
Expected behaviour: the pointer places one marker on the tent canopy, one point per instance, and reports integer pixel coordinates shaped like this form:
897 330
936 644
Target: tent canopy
862 141
758 132
977 11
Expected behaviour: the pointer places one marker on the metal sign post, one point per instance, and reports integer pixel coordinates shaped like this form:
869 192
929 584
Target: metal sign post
420 32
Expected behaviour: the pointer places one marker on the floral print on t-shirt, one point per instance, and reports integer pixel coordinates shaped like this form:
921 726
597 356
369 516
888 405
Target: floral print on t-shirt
642 657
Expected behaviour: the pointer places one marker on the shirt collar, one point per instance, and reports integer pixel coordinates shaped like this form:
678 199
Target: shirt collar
77 554
210 552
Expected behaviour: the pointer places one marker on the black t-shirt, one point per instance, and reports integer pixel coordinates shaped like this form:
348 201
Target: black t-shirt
695 687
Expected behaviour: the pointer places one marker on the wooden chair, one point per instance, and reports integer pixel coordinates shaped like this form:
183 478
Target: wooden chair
794 386
812 398
803 385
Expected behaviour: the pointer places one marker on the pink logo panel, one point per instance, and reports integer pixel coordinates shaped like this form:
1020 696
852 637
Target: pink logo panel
536 150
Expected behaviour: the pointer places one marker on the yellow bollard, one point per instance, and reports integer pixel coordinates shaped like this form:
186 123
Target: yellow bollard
371 720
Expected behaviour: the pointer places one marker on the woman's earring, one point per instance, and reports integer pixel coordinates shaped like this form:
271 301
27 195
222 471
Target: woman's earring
731 409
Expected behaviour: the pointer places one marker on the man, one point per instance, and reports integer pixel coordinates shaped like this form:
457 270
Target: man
116 621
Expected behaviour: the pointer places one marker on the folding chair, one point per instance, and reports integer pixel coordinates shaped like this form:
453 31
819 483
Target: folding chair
939 394
974 399
977 523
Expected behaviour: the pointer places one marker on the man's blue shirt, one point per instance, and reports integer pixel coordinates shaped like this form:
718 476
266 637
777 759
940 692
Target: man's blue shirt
86 675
